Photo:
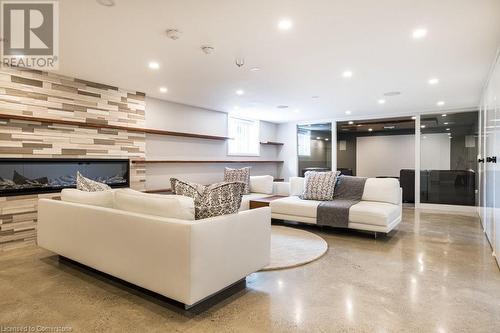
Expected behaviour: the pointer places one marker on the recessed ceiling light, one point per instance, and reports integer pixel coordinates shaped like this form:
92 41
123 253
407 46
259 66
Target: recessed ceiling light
440 103
347 74
240 92
107 3
424 137
422 126
153 65
284 24
326 139
447 129
351 122
348 112
255 69
390 127
433 81
163 89
413 118
370 129
450 137
381 101
318 138
419 33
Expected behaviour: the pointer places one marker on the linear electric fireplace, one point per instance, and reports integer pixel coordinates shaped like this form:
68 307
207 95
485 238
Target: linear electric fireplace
41 175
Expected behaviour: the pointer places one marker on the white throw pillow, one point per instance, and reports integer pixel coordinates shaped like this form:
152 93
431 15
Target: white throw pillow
296 185
173 206
99 198
261 184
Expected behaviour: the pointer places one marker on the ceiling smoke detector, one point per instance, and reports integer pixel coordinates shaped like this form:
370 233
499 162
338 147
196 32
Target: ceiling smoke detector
173 34
239 62
208 49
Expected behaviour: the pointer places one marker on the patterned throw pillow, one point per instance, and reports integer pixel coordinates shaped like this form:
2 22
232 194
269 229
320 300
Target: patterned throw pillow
319 185
238 175
212 200
89 185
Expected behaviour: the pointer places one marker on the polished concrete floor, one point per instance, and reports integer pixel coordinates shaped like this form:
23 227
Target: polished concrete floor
436 274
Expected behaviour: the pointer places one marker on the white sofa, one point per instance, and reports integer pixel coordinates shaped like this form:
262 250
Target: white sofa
183 259
380 209
260 187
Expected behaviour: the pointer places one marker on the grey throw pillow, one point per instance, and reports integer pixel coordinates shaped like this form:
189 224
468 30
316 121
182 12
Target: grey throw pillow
212 200
89 185
238 175
319 185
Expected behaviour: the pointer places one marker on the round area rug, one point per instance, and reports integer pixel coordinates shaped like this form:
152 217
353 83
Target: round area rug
294 247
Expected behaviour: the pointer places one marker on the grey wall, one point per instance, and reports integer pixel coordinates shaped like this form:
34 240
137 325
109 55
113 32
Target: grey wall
347 158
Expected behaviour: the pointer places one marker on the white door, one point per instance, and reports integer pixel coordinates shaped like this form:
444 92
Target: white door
490 176
495 153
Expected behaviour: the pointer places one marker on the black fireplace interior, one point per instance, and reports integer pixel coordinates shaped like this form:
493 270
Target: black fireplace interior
37 175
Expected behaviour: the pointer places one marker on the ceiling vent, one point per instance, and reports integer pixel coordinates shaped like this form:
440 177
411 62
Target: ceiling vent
107 3
392 93
208 49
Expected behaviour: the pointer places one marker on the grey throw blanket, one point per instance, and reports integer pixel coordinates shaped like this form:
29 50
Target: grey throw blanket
348 192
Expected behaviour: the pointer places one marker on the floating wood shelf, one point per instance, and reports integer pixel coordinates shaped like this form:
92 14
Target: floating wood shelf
198 161
272 143
117 127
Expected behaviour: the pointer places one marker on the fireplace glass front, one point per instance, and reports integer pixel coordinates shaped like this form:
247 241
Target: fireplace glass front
31 176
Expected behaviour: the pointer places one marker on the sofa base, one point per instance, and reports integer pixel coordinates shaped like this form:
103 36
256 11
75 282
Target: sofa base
352 225
197 307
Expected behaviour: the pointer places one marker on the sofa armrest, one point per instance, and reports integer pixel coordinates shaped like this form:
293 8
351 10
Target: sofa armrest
281 188
225 249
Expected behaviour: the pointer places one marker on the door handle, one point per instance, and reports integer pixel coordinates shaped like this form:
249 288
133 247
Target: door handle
480 160
492 159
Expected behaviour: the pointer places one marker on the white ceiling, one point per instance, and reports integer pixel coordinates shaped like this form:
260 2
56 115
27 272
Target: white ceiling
113 45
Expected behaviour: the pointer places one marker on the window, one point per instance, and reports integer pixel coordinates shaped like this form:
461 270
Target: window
304 144
244 134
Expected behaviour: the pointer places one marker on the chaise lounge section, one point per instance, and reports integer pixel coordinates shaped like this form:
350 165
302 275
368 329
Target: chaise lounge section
380 209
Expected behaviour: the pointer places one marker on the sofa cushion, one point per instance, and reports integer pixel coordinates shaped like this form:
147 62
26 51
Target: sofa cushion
374 213
382 190
296 206
89 185
261 184
319 185
238 175
99 198
296 185
173 206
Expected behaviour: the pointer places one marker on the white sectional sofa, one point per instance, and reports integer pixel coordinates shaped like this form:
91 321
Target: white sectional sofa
380 209
132 238
260 187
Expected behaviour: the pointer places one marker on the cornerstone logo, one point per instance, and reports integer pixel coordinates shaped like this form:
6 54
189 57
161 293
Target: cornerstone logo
30 34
